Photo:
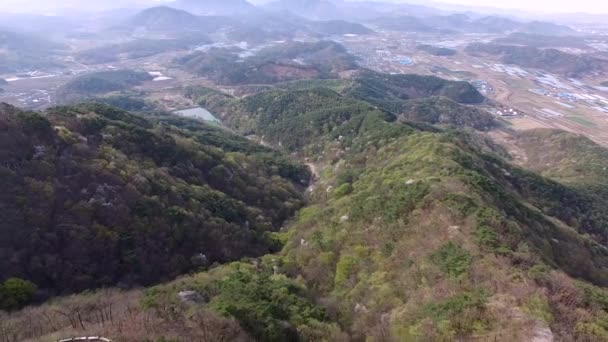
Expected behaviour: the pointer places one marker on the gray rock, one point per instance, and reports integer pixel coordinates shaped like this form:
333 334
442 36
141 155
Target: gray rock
191 297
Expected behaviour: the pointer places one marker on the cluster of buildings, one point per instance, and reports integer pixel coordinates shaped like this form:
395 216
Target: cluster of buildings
507 112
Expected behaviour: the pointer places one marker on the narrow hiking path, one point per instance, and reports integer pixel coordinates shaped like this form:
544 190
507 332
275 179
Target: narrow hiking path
315 176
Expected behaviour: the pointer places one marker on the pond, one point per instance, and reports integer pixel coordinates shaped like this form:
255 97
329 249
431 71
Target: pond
199 113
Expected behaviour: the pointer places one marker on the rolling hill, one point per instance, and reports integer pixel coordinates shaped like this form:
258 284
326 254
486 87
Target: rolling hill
443 111
464 23
98 83
165 18
542 41
283 62
311 9
337 27
403 23
173 21
217 7
389 91
548 29
551 60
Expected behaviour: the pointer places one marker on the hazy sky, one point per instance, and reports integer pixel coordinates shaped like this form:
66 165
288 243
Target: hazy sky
587 6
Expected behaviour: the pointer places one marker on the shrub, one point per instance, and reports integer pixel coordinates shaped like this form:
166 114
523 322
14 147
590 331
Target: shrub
460 314
538 272
453 260
486 237
456 305
343 190
344 269
596 330
537 306
269 307
16 293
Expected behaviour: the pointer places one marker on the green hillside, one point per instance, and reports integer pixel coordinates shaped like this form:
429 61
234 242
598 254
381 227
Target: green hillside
441 110
411 235
563 156
414 229
97 83
283 62
95 196
316 108
389 91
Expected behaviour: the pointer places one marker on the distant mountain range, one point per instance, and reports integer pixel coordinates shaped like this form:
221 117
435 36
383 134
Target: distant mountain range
256 27
166 18
21 51
318 9
216 7
551 60
465 23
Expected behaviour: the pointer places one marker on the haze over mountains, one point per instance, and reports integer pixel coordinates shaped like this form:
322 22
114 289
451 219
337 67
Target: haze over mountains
301 170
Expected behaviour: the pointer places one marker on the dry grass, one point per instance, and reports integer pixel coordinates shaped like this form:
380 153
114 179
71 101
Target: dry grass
117 315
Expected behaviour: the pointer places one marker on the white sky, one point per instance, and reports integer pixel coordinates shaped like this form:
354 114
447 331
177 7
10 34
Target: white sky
573 6
585 6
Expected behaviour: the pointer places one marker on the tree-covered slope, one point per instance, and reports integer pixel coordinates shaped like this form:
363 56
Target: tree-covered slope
412 235
565 157
434 235
293 120
292 111
390 91
94 196
412 231
429 237
441 110
98 83
283 62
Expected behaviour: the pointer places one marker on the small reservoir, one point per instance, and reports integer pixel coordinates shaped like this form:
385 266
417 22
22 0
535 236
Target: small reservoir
199 113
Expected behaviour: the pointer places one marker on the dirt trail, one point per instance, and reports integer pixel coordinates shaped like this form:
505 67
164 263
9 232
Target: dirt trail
313 170
315 176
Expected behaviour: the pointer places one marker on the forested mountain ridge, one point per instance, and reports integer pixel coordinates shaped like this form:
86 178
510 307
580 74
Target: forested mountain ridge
283 62
412 233
293 113
98 83
94 196
417 227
